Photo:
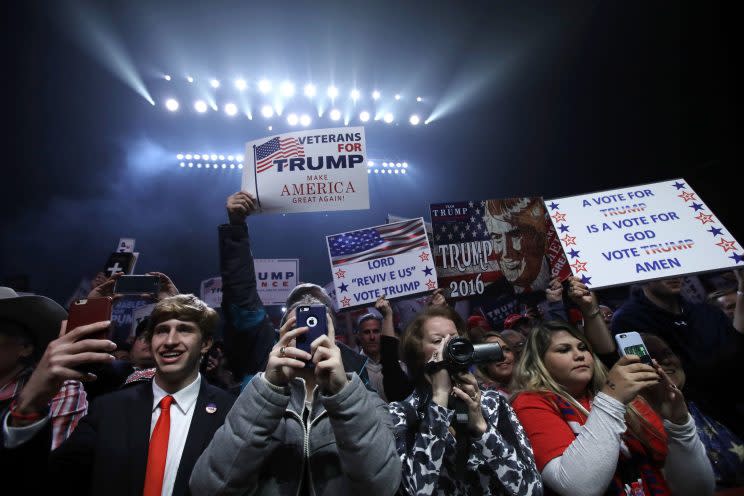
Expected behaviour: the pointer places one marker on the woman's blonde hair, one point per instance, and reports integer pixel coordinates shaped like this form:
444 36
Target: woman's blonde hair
532 375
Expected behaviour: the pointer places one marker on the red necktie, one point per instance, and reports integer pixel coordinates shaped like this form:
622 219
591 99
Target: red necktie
158 451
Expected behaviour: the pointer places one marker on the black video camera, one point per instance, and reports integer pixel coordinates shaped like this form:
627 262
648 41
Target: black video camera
460 354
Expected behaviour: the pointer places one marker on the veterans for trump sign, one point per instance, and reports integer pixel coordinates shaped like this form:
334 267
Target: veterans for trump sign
392 259
642 233
318 170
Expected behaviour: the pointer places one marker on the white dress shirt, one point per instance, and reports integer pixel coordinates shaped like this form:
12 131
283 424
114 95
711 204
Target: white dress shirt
181 411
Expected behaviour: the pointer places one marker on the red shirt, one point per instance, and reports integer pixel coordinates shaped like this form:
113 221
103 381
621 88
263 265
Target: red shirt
548 418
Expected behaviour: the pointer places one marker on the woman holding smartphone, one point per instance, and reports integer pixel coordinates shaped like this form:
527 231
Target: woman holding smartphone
591 432
499 458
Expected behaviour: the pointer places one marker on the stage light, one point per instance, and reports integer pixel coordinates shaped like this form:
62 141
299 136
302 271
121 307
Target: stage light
213 156
167 77
198 166
287 89
402 171
179 156
292 119
364 116
232 166
332 92
264 86
200 106
397 97
397 171
384 164
189 79
335 114
191 164
397 164
188 156
375 95
270 128
310 90
171 104
230 158
419 99
224 166
182 164
305 120
267 111
231 109
388 117
370 163
240 166
414 120
405 165
369 171
239 158
355 94
198 157
222 157
377 171
240 84
214 83
206 166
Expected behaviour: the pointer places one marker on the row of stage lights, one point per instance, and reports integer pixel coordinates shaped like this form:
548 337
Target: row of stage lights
207 161
287 89
293 119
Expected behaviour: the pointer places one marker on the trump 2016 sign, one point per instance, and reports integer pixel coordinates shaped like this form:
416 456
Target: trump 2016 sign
318 170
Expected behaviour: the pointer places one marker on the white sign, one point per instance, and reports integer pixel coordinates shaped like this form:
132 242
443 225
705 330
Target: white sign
126 245
392 259
317 170
210 292
641 233
275 279
138 314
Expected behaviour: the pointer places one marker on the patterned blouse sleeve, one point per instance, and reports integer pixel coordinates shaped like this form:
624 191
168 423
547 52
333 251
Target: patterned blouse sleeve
421 452
503 452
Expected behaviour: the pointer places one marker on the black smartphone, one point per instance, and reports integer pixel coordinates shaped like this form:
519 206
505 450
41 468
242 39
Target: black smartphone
137 285
315 319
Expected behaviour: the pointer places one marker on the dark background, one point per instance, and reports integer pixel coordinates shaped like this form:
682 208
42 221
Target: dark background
538 98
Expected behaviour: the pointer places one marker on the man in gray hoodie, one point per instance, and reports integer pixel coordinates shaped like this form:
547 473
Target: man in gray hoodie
301 430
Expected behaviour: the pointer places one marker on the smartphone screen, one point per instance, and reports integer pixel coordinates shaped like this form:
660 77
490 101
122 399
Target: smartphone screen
137 285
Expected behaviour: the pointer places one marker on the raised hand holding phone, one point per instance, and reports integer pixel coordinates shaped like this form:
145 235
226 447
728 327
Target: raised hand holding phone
285 359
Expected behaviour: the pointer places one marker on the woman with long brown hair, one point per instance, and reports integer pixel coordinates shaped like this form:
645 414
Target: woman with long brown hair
592 434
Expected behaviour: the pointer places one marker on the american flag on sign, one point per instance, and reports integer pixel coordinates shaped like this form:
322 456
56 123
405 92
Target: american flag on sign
376 242
277 148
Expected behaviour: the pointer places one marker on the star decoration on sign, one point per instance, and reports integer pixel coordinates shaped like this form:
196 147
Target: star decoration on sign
586 280
696 206
687 196
424 257
340 273
574 253
704 218
553 206
715 231
563 228
569 240
431 284
726 245
737 258
679 185
738 450
579 266
471 204
426 271
343 287
558 217
345 301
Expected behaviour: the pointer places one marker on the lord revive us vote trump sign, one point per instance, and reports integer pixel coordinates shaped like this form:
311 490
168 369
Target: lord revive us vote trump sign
317 170
642 233
392 260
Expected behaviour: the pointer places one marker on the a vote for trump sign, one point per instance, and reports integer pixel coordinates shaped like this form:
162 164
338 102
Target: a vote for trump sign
308 171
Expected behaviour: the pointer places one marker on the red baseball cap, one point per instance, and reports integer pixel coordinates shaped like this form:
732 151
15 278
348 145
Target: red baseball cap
478 321
513 319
